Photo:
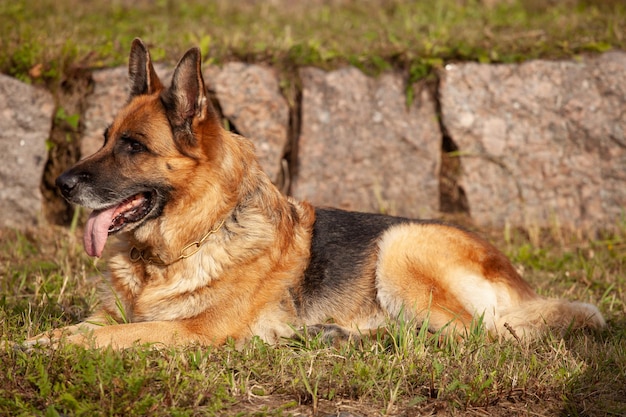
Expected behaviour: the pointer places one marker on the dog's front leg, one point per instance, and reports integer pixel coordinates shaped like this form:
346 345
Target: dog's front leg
120 336
52 337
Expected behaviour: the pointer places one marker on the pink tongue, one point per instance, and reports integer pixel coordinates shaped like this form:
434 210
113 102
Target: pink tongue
97 231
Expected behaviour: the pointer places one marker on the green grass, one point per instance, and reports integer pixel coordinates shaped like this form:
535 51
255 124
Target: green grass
44 39
46 281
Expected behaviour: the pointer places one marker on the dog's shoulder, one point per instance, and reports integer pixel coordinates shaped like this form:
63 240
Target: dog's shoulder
343 244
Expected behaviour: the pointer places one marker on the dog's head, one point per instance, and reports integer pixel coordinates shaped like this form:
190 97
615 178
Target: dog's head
150 151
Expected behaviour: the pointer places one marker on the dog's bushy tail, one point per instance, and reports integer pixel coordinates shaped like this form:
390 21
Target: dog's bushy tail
532 318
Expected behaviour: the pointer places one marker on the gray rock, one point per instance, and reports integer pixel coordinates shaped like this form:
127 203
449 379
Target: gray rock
250 98
26 118
541 143
361 147
110 93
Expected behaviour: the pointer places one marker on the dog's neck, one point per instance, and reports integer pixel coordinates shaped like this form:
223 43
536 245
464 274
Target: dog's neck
149 256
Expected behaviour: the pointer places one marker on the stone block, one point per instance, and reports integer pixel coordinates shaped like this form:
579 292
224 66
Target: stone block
26 114
250 98
363 148
542 144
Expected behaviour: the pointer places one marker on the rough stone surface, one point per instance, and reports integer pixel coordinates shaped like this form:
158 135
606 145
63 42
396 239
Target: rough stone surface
542 143
109 94
250 98
361 147
26 114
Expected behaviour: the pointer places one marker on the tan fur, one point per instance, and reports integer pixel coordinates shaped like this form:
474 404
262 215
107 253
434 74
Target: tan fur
248 277
452 277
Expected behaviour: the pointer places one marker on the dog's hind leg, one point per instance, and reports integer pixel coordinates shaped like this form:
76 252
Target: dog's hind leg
334 334
328 332
434 272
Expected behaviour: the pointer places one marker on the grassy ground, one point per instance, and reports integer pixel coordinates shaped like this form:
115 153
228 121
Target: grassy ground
43 39
46 281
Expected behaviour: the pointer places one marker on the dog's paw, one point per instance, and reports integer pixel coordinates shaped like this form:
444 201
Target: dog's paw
39 341
9 345
29 344
48 339
53 338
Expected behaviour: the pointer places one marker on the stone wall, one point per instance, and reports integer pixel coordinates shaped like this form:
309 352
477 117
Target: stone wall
539 144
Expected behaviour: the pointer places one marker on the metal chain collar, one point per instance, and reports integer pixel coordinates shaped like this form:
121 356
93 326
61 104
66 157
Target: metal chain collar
191 249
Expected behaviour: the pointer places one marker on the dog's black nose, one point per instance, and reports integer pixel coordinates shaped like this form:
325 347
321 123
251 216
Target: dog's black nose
67 183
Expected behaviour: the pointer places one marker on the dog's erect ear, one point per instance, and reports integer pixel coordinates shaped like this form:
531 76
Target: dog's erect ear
187 98
143 78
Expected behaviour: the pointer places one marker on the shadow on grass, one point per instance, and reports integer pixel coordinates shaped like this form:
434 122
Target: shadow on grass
600 390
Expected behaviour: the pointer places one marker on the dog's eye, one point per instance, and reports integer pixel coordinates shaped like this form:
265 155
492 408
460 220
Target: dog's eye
131 145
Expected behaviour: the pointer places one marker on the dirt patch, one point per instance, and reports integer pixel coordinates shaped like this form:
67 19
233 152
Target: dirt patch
452 198
64 142
453 202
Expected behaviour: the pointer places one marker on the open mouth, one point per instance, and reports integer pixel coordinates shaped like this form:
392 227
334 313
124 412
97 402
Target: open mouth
102 223
131 210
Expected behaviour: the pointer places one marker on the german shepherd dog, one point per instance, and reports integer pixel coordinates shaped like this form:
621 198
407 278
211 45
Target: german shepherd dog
209 249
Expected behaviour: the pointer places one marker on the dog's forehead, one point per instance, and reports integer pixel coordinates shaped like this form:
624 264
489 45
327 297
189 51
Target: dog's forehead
143 115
